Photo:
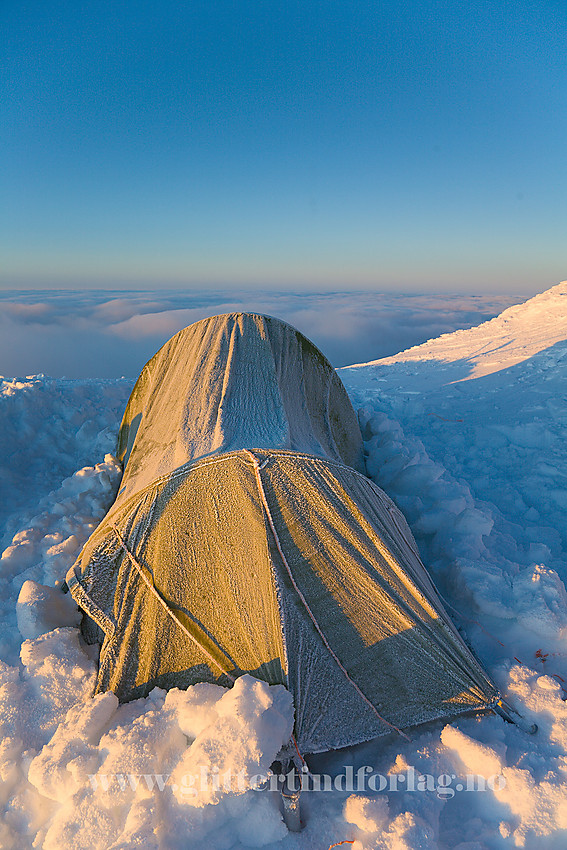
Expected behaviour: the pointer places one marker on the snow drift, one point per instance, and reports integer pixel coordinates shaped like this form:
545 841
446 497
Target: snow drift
479 469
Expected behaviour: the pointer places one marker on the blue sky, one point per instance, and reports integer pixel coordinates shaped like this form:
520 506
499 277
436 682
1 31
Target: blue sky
409 146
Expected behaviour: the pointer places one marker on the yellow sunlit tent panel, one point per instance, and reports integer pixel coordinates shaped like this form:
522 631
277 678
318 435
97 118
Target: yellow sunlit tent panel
246 537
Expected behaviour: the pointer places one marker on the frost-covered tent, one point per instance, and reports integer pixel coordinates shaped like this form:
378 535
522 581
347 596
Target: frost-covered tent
247 538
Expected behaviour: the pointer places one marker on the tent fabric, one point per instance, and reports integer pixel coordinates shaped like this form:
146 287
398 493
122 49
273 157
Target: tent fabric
230 382
254 543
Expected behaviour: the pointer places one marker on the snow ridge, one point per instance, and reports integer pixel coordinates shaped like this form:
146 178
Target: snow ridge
515 335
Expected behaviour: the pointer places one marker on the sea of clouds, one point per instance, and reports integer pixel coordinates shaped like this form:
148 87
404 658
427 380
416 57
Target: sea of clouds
108 334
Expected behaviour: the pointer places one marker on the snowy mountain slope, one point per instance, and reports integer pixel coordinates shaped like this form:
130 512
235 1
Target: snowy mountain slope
516 335
479 468
501 434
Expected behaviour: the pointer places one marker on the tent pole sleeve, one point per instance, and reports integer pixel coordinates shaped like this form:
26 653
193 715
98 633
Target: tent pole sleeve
153 590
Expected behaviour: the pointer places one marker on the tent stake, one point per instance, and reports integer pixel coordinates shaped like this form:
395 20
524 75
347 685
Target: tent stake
510 715
291 810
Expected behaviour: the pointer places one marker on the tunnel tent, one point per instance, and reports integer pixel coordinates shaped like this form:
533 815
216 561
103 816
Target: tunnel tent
246 538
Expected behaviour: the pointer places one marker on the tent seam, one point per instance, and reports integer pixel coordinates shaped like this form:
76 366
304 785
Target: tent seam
304 600
216 458
153 590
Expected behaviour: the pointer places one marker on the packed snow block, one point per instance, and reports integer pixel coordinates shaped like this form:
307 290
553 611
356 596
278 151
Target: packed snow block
178 765
540 601
57 667
253 722
247 538
369 815
59 770
480 759
41 609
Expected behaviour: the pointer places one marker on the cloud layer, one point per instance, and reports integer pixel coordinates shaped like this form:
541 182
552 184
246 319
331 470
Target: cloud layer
108 334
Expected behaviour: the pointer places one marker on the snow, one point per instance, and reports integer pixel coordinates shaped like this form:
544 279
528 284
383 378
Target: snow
466 434
510 338
42 609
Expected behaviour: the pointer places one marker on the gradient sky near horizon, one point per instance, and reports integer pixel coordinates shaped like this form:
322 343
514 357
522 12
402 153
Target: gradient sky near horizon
416 146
